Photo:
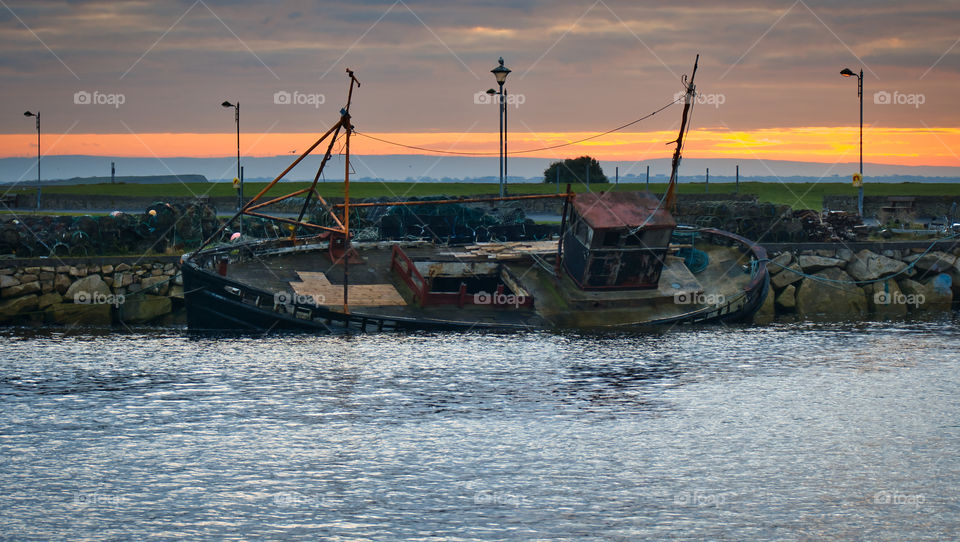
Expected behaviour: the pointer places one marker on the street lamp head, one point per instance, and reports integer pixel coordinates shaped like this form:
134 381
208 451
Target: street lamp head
227 104
500 72
28 114
491 91
847 72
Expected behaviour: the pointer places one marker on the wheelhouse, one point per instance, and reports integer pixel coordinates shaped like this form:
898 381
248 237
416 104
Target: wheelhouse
616 240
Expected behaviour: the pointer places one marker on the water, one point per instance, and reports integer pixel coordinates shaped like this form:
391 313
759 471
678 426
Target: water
784 432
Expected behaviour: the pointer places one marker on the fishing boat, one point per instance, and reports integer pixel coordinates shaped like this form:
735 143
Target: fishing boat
618 261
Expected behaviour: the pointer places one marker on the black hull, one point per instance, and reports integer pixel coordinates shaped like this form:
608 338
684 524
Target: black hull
216 303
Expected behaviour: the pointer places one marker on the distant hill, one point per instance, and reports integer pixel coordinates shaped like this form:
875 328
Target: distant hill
130 179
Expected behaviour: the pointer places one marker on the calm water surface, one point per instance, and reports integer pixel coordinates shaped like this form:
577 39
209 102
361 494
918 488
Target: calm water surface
784 432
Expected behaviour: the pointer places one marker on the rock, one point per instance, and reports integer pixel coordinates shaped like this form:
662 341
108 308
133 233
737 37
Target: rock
77 314
867 265
29 277
178 279
48 269
122 279
170 273
106 269
155 285
787 299
779 263
78 271
934 262
812 264
11 308
32 270
46 286
20 289
168 267
819 300
142 309
845 254
62 283
156 272
46 275
108 281
935 295
7 271
826 253
121 268
90 289
157 265
6 281
63 269
766 312
788 276
885 299
176 290
93 270
46 300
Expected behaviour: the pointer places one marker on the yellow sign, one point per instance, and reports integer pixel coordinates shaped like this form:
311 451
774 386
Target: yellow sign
857 180
236 183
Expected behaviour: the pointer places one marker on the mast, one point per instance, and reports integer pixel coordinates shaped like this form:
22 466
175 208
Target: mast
348 129
671 198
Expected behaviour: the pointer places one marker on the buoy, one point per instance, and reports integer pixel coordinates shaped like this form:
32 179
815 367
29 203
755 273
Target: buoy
153 212
235 236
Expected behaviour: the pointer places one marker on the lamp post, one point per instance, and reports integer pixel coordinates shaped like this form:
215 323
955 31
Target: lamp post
239 187
501 72
847 72
39 190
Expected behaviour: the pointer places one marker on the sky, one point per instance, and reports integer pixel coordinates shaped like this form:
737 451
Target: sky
145 78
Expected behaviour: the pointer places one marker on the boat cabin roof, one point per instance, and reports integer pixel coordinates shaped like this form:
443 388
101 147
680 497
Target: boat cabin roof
617 210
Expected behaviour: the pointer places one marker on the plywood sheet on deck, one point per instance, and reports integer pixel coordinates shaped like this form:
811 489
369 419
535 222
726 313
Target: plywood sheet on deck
360 295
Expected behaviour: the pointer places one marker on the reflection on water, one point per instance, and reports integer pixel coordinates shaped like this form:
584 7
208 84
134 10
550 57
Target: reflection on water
784 432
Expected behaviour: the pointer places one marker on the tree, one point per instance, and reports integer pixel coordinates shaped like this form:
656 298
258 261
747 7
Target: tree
574 171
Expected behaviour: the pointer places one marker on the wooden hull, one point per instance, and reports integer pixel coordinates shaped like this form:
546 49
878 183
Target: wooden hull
221 303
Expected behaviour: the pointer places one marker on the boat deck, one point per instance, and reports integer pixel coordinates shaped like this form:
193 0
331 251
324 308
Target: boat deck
376 289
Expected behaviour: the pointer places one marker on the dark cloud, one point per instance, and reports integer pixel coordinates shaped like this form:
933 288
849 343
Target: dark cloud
776 63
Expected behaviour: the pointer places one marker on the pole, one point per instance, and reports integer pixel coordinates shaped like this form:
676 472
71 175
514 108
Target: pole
738 178
500 110
648 178
113 172
860 190
708 181
618 175
506 155
39 189
558 179
239 171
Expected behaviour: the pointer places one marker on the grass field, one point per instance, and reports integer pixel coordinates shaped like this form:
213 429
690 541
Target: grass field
797 195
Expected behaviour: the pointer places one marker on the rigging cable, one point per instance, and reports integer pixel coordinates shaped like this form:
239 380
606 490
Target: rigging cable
525 151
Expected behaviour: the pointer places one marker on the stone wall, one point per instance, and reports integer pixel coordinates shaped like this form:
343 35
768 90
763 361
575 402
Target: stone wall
896 207
91 293
839 284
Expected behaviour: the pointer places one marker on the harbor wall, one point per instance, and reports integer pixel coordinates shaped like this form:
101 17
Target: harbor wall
839 284
100 291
